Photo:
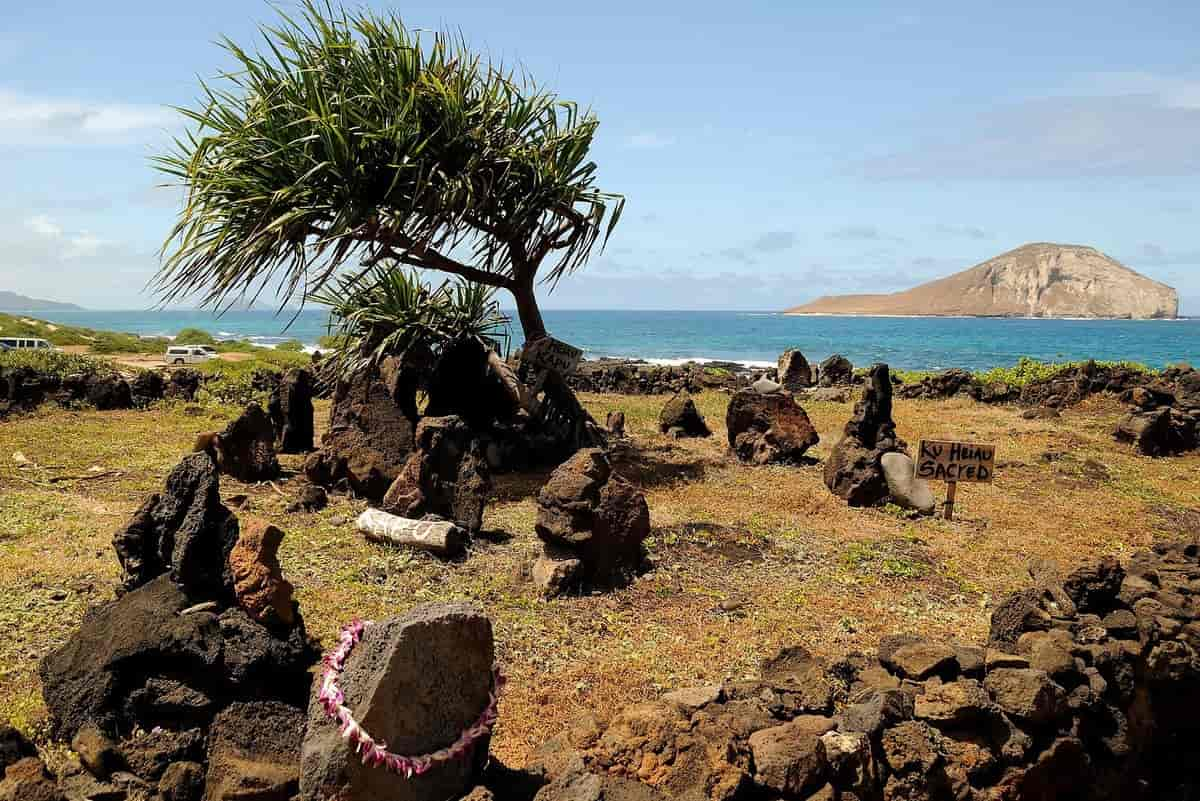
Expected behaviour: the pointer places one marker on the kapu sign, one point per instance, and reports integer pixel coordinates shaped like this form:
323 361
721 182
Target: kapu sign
549 353
940 460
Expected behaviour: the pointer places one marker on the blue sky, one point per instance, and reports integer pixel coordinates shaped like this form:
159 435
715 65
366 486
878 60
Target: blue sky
771 152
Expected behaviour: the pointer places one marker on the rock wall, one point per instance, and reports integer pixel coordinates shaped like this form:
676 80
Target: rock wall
1086 690
641 378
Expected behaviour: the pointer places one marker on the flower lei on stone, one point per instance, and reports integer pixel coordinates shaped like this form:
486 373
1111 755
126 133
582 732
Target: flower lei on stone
373 753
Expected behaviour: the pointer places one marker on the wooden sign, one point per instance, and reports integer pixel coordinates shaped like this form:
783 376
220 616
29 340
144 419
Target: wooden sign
549 353
939 460
952 462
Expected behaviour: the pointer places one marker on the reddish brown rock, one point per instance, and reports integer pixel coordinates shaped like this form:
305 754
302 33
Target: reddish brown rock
587 511
258 581
768 429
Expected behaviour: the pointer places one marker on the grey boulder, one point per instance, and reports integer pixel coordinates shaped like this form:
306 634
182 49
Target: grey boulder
907 491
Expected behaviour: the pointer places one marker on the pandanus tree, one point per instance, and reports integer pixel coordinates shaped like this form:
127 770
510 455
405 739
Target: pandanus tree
350 141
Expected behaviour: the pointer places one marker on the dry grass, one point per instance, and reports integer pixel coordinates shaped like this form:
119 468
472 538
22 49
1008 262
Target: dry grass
747 559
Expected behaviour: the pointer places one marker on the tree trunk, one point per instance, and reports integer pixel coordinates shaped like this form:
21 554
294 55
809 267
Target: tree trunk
528 311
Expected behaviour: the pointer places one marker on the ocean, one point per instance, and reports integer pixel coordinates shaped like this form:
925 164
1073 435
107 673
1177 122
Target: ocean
913 343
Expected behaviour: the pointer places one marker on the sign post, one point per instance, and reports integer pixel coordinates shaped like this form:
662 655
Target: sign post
952 462
545 355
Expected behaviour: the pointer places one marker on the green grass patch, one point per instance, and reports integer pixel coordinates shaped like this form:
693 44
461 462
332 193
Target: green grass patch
878 558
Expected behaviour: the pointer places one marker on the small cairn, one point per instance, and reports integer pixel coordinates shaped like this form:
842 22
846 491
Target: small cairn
592 523
445 475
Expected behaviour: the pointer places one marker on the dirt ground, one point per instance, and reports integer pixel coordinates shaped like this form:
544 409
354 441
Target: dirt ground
746 559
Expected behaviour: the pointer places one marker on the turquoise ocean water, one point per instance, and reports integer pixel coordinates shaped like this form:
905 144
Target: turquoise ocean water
909 343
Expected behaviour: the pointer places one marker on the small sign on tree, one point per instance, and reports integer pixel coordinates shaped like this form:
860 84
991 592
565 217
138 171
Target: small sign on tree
549 353
952 462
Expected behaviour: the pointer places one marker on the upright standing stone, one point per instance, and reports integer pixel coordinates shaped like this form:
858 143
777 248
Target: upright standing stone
246 449
854 471
794 371
291 408
415 682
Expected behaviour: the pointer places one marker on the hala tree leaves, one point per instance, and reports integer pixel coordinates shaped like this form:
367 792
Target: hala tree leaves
388 311
348 137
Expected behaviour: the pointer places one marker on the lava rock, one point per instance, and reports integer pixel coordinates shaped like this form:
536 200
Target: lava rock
854 470
246 449
254 752
415 682
147 387
680 414
186 530
794 373
118 647
835 371
291 409
372 422
445 475
259 584
768 429
590 512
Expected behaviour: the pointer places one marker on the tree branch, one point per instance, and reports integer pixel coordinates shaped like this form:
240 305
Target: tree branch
418 255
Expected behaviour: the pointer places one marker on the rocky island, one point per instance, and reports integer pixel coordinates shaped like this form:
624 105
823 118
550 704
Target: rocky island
1035 280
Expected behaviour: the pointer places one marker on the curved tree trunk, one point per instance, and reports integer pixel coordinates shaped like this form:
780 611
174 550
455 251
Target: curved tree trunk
527 310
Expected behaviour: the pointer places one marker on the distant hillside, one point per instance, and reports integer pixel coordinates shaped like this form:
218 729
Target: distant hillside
12 302
1035 280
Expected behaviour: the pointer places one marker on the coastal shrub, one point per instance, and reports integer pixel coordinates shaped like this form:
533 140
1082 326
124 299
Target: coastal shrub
195 336
233 381
54 362
1028 370
290 346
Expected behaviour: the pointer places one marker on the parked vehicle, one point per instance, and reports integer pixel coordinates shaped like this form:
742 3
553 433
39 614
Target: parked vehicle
187 354
25 343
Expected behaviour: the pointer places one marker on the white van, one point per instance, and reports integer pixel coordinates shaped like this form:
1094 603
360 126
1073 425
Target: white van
187 354
24 343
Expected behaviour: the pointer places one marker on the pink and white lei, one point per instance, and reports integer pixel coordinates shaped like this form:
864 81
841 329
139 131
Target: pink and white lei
375 754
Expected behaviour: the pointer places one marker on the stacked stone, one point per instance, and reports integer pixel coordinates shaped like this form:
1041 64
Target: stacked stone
1164 416
1086 690
203 658
940 386
24 389
445 475
640 378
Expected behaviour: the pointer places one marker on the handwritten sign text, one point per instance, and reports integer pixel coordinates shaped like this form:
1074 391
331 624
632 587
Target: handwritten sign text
549 353
939 460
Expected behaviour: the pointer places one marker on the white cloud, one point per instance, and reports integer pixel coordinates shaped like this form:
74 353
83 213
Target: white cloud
41 224
1110 124
649 140
42 257
28 120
